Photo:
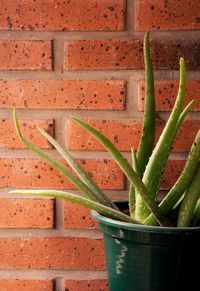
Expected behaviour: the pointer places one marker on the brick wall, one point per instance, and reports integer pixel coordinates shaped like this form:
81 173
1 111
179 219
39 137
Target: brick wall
84 58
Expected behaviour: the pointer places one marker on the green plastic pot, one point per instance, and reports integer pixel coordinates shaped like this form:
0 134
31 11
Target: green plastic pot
147 258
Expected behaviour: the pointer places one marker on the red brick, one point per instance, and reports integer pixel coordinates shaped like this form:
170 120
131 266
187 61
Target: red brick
52 253
128 54
166 92
78 217
63 94
34 173
62 15
26 285
9 139
26 213
123 134
167 15
126 133
86 285
25 55
172 172
103 54
167 53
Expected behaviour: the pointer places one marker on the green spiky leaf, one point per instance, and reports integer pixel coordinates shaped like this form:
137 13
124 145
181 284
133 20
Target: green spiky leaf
127 169
56 165
82 174
102 209
155 167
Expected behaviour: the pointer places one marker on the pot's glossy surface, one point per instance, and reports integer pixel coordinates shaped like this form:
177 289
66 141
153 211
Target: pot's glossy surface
146 258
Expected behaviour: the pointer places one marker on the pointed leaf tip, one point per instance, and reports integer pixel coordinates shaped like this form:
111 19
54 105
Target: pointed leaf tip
182 62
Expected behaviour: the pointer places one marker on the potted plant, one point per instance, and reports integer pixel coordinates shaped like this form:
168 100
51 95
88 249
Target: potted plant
156 246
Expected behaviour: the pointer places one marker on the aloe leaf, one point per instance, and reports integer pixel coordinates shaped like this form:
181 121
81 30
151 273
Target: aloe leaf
148 131
189 201
183 114
82 174
155 167
131 194
131 200
127 169
182 183
135 161
102 209
196 214
77 182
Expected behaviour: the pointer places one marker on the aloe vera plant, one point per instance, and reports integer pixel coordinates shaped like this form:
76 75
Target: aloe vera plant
145 173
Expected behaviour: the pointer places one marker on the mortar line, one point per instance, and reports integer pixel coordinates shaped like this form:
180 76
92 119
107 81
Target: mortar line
130 16
51 274
78 35
49 233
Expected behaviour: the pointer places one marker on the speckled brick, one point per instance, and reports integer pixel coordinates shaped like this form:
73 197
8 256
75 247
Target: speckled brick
25 55
9 139
125 134
103 54
26 285
62 15
34 173
86 285
63 94
78 217
172 172
167 15
166 92
26 213
52 253
166 53
128 54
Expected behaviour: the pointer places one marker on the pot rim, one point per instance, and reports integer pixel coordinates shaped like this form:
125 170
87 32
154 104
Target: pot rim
141 227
